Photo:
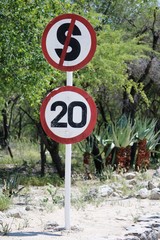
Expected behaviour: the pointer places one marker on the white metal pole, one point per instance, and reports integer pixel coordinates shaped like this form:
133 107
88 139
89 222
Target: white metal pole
68 187
68 155
69 78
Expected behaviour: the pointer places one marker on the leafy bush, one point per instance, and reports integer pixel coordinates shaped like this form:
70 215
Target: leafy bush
4 202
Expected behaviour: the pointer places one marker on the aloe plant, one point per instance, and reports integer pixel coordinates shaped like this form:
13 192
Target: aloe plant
147 141
118 134
116 140
123 132
87 145
105 141
153 141
144 128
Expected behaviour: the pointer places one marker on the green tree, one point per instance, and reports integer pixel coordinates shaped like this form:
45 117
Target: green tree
25 74
127 38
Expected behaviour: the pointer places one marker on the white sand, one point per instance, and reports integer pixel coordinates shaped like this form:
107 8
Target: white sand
110 217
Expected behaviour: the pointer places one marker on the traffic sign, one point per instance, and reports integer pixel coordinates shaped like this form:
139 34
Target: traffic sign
68 114
69 42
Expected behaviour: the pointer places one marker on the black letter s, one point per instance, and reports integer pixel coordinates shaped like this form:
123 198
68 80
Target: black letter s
74 44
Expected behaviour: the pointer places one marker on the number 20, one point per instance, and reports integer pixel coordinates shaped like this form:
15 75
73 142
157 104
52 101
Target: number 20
69 110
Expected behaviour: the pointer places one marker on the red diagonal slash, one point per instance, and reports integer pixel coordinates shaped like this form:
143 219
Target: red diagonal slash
64 51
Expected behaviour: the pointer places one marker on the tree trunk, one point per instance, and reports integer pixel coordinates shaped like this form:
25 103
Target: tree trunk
54 152
124 158
98 161
86 162
142 160
20 125
53 148
43 157
5 129
133 153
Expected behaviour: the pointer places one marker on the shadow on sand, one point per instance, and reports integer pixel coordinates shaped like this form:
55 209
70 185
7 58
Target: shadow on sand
32 234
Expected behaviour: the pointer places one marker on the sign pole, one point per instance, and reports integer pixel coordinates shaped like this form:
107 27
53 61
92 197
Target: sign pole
69 79
75 127
68 186
68 155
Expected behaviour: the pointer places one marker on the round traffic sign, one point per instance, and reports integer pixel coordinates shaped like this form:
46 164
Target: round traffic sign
69 42
68 114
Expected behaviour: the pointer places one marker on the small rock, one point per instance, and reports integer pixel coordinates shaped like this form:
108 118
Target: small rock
138 231
155 194
51 225
93 192
153 235
143 193
132 182
158 230
105 191
151 185
27 208
157 173
143 237
14 213
129 176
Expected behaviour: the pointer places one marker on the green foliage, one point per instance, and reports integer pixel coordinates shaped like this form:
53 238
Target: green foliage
123 13
138 88
25 152
41 181
56 199
5 228
5 202
113 52
86 146
153 141
124 34
24 71
121 134
145 129
107 173
11 185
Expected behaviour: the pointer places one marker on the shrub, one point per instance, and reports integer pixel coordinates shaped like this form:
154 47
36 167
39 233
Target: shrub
4 202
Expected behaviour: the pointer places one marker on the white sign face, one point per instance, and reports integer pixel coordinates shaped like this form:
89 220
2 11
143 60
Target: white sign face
81 43
69 42
66 117
68 114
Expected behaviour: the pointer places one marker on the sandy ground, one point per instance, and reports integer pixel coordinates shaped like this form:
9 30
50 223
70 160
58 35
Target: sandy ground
110 217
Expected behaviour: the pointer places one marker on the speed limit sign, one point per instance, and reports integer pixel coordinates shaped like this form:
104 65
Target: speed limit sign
69 42
68 114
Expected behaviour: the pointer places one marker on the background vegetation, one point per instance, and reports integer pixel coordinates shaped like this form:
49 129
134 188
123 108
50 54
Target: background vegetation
123 78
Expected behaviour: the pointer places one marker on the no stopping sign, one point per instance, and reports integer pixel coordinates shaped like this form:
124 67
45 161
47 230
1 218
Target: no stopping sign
68 114
69 42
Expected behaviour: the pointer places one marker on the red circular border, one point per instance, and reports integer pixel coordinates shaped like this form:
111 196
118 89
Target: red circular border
90 126
93 42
